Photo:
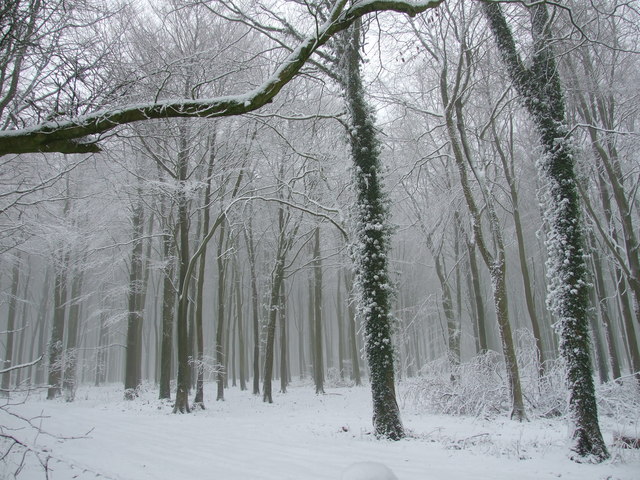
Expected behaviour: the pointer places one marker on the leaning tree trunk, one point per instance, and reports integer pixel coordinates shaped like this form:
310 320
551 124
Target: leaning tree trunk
568 295
495 260
527 285
371 247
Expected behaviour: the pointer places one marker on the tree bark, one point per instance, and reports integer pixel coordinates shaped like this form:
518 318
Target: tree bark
59 313
240 320
284 344
340 318
278 276
255 313
318 364
41 326
372 247
132 378
182 389
353 338
11 325
220 350
542 95
71 352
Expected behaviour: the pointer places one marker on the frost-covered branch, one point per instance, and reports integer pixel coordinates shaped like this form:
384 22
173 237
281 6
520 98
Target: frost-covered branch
23 365
70 136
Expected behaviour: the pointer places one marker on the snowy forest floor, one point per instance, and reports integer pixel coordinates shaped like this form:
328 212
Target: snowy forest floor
300 436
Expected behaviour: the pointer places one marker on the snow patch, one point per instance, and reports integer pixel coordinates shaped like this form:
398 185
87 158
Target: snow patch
368 471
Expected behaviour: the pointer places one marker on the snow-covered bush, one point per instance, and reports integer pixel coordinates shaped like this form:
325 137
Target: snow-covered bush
334 379
478 388
473 388
619 400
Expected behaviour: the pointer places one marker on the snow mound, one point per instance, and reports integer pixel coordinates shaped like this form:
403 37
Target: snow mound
368 471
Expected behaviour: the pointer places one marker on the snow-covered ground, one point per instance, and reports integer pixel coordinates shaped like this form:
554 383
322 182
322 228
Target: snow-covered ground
300 436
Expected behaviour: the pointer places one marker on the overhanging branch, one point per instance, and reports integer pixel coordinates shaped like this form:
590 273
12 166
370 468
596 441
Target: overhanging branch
77 135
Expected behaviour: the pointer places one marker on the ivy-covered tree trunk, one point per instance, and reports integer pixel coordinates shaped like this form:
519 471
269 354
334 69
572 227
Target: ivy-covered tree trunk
371 247
568 295
353 340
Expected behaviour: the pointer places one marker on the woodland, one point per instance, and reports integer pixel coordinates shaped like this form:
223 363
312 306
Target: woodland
440 194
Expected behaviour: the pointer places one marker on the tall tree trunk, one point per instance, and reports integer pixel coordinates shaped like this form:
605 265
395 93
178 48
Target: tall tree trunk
199 397
240 321
599 107
340 318
19 356
274 300
352 331
372 246
318 364
284 244
71 353
302 362
41 326
101 355
255 313
11 325
311 324
220 350
59 313
132 378
182 388
284 344
568 296
168 313
496 261
507 168
474 279
602 299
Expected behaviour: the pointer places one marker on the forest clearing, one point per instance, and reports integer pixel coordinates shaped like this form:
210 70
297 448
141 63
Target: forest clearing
300 436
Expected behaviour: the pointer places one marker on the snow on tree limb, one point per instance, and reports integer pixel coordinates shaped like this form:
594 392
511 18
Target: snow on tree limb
70 136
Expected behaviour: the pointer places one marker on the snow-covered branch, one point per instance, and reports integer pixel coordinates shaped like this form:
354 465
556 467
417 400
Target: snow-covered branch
77 135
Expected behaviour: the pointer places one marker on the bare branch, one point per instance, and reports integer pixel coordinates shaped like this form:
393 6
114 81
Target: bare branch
70 136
